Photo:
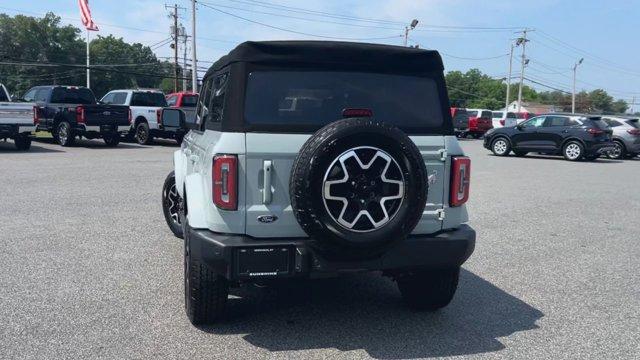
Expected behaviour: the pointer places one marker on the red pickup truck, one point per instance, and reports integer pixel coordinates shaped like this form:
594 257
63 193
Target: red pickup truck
479 122
182 100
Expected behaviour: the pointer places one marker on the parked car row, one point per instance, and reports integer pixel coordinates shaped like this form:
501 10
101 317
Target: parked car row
574 136
70 112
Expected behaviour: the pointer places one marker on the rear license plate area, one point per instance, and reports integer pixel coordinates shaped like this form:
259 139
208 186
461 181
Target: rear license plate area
106 128
264 261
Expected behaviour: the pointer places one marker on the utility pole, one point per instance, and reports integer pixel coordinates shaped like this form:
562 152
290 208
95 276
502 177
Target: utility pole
506 102
411 26
194 62
183 33
174 46
522 40
573 94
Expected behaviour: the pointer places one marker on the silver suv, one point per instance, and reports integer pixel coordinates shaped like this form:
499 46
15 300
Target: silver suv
312 159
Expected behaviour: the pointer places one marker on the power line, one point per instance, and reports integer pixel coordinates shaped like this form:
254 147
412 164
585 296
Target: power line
294 31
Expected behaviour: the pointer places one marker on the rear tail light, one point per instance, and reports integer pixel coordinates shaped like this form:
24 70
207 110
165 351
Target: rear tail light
502 122
159 116
225 182
350 112
80 115
595 132
460 180
130 117
635 132
36 115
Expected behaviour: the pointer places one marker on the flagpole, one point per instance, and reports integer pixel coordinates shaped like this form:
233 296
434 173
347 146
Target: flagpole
88 62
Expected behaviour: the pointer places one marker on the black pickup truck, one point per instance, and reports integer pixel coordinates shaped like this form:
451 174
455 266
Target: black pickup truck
71 111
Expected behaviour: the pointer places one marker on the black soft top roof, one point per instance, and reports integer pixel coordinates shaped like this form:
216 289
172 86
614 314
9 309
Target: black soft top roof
371 56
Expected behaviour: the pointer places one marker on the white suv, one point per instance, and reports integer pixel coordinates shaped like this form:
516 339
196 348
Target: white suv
364 173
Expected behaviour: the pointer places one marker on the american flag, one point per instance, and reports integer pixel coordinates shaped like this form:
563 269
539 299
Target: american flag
85 16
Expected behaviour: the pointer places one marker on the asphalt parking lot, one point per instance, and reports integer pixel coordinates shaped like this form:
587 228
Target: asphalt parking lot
90 269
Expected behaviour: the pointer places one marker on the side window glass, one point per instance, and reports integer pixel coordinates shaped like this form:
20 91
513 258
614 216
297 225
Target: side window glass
172 100
120 98
216 104
30 96
555 121
203 110
534 122
108 99
41 95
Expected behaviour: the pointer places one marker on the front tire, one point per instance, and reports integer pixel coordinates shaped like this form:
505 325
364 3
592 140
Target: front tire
428 289
500 147
172 205
573 151
65 135
205 291
22 142
618 153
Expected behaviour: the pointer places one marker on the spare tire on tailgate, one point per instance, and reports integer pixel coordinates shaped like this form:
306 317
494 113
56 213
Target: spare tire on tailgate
357 186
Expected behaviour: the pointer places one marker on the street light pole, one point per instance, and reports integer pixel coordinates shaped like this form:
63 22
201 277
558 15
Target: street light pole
194 62
573 94
523 40
411 26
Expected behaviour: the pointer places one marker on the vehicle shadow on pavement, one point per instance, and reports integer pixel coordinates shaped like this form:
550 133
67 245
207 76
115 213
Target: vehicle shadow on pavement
365 312
94 144
600 160
9 148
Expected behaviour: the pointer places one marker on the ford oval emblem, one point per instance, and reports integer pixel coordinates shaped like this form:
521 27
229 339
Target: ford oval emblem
267 219
106 113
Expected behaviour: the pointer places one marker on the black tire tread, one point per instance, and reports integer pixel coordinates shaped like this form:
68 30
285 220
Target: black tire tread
176 230
207 296
300 181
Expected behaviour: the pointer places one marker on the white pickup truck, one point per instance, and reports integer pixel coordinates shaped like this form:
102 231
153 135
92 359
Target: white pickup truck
146 109
16 120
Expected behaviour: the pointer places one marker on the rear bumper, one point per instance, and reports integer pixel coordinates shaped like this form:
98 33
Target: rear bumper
599 148
167 132
221 253
13 130
97 128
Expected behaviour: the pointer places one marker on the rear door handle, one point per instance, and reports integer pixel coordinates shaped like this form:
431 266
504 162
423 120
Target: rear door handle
267 169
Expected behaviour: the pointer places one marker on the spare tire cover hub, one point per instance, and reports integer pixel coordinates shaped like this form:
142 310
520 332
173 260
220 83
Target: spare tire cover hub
363 189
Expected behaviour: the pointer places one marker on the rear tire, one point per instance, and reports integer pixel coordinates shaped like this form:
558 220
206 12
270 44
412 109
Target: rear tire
429 290
143 136
111 140
205 291
22 142
65 134
179 139
573 151
500 147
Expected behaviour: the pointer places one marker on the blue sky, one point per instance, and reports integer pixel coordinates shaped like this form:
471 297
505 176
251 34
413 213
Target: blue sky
605 34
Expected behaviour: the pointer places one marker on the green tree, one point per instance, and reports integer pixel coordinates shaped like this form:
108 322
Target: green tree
619 106
60 53
600 101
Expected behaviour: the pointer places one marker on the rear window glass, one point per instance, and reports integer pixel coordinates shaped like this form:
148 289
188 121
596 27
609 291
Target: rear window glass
319 97
598 122
72 96
189 100
497 115
473 113
155 99
486 114
634 123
